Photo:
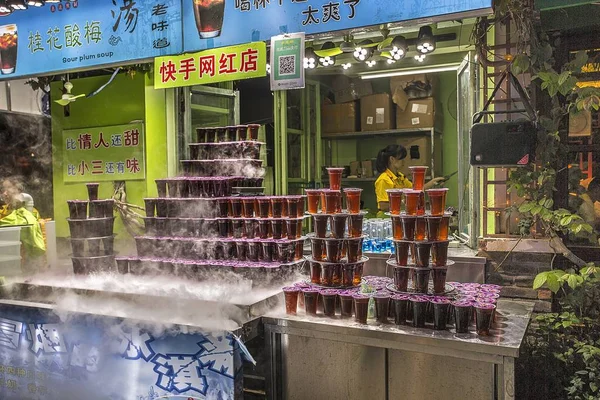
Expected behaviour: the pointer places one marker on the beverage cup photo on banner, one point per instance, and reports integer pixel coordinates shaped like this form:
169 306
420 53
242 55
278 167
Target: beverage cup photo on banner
8 49
209 17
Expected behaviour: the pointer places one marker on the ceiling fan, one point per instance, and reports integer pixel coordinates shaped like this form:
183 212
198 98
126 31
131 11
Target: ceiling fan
68 98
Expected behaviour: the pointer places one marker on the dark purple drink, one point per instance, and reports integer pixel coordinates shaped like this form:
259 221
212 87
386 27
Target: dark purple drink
209 17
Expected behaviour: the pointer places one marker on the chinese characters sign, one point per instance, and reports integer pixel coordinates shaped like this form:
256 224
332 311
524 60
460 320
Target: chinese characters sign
113 153
216 23
287 55
93 357
87 33
210 66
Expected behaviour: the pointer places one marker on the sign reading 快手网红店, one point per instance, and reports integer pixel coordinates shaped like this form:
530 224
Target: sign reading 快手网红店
111 153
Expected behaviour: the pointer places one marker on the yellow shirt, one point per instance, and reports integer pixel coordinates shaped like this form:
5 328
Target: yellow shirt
389 180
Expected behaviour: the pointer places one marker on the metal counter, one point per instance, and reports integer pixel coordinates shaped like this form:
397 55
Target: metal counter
323 358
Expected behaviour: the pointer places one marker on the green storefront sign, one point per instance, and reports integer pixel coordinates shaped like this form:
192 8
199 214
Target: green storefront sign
109 153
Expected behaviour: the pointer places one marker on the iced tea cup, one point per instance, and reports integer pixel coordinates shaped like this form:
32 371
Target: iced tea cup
421 277
439 253
221 134
444 227
248 207
92 189
224 230
441 309
400 303
264 228
264 206
421 229
419 307
397 230
238 228
313 196
161 187
223 204
361 307
327 270
250 225
211 135
355 225
291 299
346 303
241 248
412 199
439 279
409 224
253 131
321 221
422 253
462 315
338 226
358 273
338 271
437 201
418 177
333 249
333 201
353 200
354 249
277 207
150 206
483 318
236 207
242 132
291 226
433 228
318 248
267 250
310 300
277 228
315 273
335 178
402 247
293 204
348 275
329 298
200 135
382 307
401 275
395 200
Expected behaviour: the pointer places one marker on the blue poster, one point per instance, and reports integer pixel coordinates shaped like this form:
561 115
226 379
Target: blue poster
217 23
87 33
102 358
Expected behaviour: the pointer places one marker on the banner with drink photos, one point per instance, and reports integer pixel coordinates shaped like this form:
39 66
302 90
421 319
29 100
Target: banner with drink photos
97 358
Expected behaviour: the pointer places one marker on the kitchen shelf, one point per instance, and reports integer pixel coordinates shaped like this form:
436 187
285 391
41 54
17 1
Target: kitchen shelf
406 132
354 179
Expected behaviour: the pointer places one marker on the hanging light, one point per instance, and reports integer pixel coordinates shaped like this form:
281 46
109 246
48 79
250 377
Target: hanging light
346 65
35 3
399 48
420 57
327 61
391 61
371 63
17 4
310 59
363 53
426 40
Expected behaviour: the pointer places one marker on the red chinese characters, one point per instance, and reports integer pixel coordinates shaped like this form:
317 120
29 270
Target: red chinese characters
226 63
249 61
207 65
186 68
167 72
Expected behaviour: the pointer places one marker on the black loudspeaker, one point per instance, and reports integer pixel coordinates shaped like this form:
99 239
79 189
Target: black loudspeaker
503 144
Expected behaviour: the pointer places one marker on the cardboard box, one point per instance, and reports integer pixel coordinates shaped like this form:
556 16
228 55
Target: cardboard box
377 113
355 169
425 82
367 168
346 89
419 113
418 149
340 118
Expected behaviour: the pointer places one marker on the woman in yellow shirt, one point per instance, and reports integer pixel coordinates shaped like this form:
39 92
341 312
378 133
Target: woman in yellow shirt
388 164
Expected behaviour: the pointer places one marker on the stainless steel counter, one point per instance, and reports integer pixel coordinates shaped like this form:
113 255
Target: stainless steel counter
323 358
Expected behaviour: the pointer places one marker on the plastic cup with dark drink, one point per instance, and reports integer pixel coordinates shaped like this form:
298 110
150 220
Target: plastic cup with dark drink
313 197
418 177
77 209
292 205
333 249
315 273
291 299
241 248
211 135
335 178
382 306
277 206
311 297
353 200
397 229
433 227
223 204
422 253
264 228
419 311
338 226
361 307
250 225
355 225
327 270
248 207
200 135
439 253
420 229
150 206
209 17
277 228
401 275
92 189
441 309
267 250
321 221
253 131
409 224
462 315
439 279
400 303
413 198
402 247
346 304
221 134
437 201
354 247
421 277
237 225
395 200
317 248
254 248
444 227
292 227
264 206
348 274
329 299
483 318
8 48
161 187
231 133
236 207
333 201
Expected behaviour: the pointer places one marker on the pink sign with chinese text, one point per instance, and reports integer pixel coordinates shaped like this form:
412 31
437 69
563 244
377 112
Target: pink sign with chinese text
110 153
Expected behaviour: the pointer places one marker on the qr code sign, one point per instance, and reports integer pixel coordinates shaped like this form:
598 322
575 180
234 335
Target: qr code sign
287 65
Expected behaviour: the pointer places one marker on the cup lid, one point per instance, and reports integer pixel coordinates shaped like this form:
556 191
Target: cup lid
313 190
360 296
440 300
382 295
335 169
353 190
329 292
419 168
291 289
395 190
400 297
437 191
484 306
412 191
310 290
462 303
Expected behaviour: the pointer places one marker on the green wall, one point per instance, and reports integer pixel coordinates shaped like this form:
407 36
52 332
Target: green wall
123 101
